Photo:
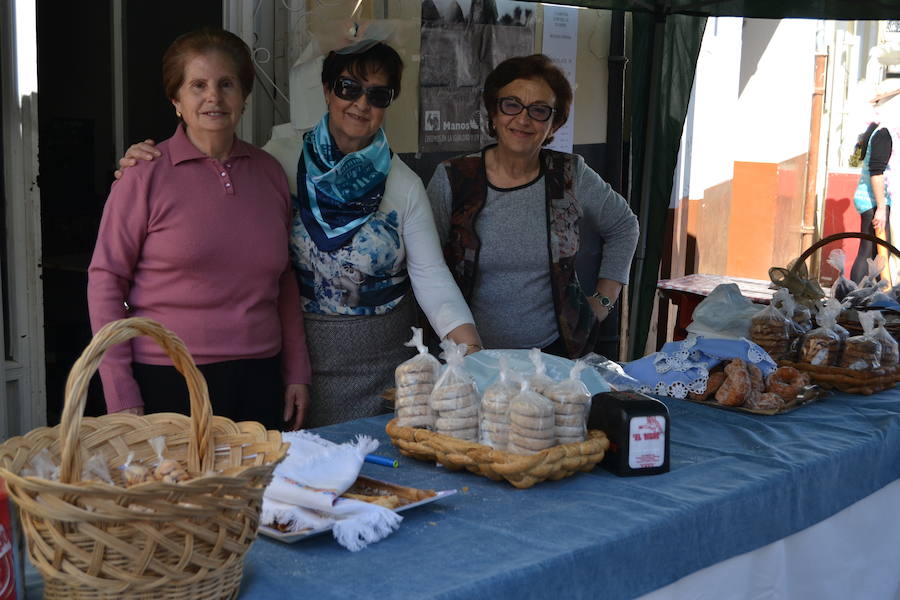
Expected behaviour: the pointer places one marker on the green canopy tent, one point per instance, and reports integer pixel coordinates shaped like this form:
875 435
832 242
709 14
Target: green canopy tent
666 44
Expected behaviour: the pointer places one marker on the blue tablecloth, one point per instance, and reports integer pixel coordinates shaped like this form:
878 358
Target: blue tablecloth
738 482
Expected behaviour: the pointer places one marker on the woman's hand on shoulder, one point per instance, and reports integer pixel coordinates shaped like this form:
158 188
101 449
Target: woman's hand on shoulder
145 150
296 403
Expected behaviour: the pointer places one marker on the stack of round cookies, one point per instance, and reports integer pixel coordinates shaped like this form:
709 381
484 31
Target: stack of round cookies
531 424
570 408
455 407
414 381
495 416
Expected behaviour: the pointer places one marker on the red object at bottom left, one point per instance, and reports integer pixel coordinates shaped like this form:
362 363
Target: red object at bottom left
7 561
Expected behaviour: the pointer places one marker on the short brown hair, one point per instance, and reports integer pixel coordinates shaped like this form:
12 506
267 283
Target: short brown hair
536 66
203 41
377 58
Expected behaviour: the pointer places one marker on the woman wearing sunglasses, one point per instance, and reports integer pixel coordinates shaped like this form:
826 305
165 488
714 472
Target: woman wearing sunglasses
363 237
539 244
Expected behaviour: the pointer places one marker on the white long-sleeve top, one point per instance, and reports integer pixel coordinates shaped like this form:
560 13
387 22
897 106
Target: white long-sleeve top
400 240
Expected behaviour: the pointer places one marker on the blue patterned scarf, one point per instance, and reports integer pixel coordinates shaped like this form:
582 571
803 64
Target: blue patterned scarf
338 193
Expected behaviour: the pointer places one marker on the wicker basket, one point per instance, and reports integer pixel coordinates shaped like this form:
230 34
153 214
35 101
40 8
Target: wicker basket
848 380
521 470
187 540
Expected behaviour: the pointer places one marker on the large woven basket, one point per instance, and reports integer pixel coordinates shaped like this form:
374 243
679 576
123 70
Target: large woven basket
521 470
184 540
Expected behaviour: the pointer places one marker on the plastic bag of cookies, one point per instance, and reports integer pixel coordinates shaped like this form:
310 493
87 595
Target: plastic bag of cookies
890 352
454 398
571 404
842 286
862 352
799 316
414 380
822 346
772 331
494 427
539 381
532 422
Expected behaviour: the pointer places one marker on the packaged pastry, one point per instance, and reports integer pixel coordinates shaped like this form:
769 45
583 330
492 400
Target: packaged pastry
539 381
168 470
414 380
772 331
822 346
841 286
532 422
862 352
890 353
134 473
454 399
571 404
799 316
494 428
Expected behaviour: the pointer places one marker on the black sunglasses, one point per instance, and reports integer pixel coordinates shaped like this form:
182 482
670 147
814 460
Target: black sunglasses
539 112
379 96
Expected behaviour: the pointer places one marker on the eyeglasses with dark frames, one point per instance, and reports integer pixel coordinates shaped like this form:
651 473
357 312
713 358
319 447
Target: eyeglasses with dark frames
539 112
347 88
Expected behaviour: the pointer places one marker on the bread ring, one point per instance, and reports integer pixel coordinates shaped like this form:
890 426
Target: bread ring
568 397
530 408
786 382
568 420
492 417
736 386
530 422
496 403
441 404
570 409
405 401
533 434
570 432
492 426
466 411
454 390
414 411
519 441
444 424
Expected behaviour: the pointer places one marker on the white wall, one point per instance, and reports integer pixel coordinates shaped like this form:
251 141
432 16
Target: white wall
751 99
777 79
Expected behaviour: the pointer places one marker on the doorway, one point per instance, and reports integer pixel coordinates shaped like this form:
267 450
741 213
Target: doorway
78 83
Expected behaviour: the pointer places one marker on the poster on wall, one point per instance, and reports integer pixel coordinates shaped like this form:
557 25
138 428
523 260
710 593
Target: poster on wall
462 41
561 46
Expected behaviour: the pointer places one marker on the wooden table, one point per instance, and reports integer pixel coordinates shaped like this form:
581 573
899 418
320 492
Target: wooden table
689 291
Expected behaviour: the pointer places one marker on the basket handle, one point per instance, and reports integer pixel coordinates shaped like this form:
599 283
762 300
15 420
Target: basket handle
200 451
839 236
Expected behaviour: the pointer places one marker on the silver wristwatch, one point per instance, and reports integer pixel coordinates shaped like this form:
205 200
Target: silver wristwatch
605 302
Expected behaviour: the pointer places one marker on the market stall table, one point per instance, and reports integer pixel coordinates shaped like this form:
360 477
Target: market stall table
689 291
738 483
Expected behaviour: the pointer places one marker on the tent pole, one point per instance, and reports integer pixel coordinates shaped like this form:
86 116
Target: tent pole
659 32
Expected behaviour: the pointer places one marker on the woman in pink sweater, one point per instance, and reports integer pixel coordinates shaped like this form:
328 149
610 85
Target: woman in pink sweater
198 240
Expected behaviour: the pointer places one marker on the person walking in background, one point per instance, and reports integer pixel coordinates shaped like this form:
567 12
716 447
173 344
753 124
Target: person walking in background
198 241
878 181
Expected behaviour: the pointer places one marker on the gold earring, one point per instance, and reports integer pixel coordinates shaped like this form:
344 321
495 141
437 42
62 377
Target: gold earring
178 113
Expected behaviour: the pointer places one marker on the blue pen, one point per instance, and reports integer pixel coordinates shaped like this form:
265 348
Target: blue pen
381 460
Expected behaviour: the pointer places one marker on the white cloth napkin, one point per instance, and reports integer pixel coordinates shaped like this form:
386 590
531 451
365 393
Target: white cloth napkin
305 489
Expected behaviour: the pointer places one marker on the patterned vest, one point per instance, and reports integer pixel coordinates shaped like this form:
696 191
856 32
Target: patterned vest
575 319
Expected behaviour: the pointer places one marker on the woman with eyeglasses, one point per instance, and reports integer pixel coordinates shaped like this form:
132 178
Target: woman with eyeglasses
539 244
363 237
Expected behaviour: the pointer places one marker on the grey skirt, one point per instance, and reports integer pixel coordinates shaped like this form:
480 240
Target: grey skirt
353 361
